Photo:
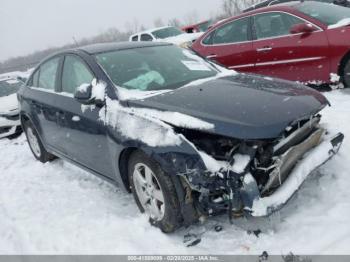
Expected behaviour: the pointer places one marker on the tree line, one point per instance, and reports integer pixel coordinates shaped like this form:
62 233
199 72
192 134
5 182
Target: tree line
228 8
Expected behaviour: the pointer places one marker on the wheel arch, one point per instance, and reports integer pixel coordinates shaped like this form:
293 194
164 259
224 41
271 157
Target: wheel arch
123 165
24 118
342 63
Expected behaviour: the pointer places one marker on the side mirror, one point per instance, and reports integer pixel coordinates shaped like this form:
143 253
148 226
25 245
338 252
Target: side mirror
21 79
303 28
84 95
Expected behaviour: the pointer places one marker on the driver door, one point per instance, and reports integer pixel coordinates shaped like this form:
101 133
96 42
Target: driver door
82 135
296 57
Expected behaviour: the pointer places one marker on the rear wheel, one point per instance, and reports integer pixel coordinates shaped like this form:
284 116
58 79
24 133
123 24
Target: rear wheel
346 74
35 144
154 192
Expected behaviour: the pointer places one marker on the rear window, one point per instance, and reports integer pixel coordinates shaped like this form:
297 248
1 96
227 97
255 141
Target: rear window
326 13
167 32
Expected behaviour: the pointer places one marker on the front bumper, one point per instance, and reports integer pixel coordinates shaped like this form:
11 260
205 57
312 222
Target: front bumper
263 206
9 127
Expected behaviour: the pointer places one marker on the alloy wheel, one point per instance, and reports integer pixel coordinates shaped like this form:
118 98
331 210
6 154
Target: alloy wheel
148 191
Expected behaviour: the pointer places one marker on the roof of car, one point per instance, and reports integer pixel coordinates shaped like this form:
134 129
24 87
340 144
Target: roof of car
106 47
149 31
285 5
277 7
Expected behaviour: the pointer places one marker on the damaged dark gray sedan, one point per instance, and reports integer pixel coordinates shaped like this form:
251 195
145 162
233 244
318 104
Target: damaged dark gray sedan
188 138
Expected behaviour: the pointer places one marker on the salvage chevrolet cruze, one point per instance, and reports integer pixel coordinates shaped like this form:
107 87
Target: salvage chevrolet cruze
187 137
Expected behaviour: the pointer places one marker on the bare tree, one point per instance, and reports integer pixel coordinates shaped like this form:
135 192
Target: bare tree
191 18
158 22
174 22
234 7
133 26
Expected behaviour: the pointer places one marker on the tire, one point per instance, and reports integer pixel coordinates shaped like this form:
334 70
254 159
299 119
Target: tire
35 144
168 213
346 74
17 134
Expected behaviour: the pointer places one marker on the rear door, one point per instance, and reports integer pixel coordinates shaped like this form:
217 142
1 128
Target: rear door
230 45
146 38
41 97
82 136
297 57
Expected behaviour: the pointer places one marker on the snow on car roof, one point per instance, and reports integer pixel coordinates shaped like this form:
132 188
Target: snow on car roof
149 31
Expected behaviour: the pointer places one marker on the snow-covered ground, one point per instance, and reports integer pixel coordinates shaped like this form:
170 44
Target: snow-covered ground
57 208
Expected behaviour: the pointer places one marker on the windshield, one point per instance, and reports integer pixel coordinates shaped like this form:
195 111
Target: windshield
9 87
204 26
154 68
167 32
326 13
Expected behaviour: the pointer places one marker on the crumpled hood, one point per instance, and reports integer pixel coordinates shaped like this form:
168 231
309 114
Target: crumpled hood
242 106
8 104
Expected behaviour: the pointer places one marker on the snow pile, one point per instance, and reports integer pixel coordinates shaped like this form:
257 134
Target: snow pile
341 23
181 39
241 162
335 78
177 119
135 124
211 164
148 125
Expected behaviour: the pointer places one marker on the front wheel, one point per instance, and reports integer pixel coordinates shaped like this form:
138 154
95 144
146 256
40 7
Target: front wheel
35 143
346 74
154 192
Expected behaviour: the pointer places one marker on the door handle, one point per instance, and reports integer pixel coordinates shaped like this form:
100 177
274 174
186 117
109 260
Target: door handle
212 56
264 49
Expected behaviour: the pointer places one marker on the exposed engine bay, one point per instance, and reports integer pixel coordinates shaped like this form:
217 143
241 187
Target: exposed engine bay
268 162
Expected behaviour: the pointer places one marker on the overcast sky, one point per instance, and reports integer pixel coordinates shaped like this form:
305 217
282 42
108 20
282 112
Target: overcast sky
31 25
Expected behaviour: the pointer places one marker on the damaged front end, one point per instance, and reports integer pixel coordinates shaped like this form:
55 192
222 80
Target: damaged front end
256 177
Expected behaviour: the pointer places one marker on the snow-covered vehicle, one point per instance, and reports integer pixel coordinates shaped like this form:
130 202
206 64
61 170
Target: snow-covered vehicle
345 3
187 137
167 34
10 125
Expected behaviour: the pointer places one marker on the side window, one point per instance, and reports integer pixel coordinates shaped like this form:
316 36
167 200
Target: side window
35 78
234 32
135 38
274 24
75 73
146 37
208 40
48 74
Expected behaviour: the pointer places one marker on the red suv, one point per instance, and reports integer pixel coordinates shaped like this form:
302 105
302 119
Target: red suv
299 41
